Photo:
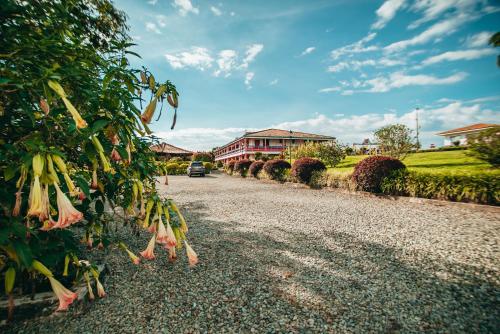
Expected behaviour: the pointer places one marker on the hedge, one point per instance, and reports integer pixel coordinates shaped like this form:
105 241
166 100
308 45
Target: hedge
256 167
481 188
304 168
369 173
276 169
230 167
241 166
208 167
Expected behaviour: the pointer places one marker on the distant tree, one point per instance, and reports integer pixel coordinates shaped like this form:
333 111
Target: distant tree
486 146
495 41
306 150
331 153
258 155
395 140
203 156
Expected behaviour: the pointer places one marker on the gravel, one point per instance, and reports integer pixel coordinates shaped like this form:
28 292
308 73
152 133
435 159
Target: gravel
280 258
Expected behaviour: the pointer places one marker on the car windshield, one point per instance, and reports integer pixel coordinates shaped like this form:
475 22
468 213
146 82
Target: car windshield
196 164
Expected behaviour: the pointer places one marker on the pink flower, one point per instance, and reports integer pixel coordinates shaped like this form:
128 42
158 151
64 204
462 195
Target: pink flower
45 214
17 206
148 253
192 257
171 241
100 288
90 241
133 257
65 296
161 236
115 156
67 213
171 255
152 227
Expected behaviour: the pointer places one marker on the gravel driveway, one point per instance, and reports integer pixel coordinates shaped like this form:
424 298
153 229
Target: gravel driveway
279 258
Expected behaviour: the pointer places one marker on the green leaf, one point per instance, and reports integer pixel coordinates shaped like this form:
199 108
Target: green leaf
99 207
23 252
123 152
99 125
84 185
9 172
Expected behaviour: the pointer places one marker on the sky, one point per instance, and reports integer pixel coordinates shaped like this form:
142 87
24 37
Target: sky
342 68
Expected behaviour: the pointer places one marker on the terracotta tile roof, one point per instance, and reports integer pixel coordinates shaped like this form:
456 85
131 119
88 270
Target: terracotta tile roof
285 134
473 127
169 149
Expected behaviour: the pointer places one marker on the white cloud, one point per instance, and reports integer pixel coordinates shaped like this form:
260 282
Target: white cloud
478 40
185 7
216 11
152 2
358 64
274 82
252 52
330 90
226 62
357 47
386 12
197 57
459 55
248 79
161 20
436 31
399 80
232 13
432 9
150 26
308 51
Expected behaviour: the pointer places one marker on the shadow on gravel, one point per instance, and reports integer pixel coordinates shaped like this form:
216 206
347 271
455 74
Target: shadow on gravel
354 286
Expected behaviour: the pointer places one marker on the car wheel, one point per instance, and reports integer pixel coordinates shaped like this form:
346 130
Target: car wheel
203 175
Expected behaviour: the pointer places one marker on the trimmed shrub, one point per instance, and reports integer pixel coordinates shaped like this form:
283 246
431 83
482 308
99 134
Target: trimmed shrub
208 167
182 169
241 167
256 167
171 168
303 168
481 188
220 164
369 173
276 169
230 167
175 159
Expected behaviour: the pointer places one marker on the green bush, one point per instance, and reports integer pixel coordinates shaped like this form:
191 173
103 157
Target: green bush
241 167
172 168
175 159
277 169
369 173
481 188
182 169
303 168
208 167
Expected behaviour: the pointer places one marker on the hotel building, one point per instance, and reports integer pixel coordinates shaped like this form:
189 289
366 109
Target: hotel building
272 142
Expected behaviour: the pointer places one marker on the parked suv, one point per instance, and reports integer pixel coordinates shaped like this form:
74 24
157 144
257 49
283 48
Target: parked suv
196 168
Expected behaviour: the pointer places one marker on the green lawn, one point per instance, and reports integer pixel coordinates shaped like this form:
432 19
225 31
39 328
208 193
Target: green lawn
435 162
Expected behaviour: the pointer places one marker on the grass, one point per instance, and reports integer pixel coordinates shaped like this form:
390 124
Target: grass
457 162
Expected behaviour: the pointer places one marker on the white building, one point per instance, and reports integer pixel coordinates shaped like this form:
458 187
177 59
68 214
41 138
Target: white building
458 137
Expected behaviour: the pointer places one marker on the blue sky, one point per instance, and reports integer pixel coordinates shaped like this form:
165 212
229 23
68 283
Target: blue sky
341 67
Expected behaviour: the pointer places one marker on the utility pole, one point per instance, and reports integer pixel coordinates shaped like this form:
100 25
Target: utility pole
290 147
418 128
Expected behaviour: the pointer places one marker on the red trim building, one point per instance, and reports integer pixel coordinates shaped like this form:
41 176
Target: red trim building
267 142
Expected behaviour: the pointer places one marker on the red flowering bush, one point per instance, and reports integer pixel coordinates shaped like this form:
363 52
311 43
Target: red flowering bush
256 167
369 173
276 169
241 167
303 168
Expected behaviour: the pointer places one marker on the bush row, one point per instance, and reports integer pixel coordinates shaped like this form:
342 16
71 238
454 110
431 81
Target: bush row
477 188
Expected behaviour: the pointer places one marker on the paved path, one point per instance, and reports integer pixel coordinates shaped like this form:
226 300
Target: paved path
276 258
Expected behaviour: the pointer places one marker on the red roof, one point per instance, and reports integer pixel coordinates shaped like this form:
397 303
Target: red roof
285 134
169 149
470 128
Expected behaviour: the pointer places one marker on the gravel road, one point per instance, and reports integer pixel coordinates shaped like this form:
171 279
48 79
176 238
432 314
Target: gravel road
279 258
